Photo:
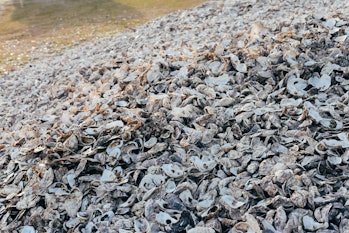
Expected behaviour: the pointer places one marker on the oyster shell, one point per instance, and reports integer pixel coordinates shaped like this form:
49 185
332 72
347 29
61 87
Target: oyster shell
188 123
201 230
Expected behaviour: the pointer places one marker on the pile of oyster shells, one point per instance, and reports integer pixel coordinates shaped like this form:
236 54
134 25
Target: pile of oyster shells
229 117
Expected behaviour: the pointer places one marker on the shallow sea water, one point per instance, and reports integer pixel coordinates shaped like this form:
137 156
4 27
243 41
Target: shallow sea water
30 27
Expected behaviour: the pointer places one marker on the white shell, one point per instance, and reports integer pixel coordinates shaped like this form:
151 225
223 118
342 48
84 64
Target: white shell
71 143
28 229
113 124
150 181
241 67
296 86
322 83
311 225
205 164
108 176
151 142
165 219
113 149
201 230
173 170
251 225
229 202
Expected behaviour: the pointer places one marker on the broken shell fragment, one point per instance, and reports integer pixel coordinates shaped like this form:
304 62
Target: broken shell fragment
28 229
201 230
251 225
71 143
311 225
205 164
114 124
296 86
114 149
27 201
229 202
322 83
150 143
173 170
165 219
241 67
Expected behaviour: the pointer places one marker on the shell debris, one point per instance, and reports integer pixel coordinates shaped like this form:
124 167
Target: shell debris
228 117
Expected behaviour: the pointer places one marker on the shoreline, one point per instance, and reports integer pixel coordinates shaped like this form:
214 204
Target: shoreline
3 4
50 28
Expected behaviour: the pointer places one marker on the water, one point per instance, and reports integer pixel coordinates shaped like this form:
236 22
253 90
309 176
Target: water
47 26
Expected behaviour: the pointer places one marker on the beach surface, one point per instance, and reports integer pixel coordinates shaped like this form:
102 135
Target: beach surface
228 117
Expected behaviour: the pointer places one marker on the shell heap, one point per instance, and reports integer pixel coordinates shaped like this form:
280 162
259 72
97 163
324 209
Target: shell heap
229 117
